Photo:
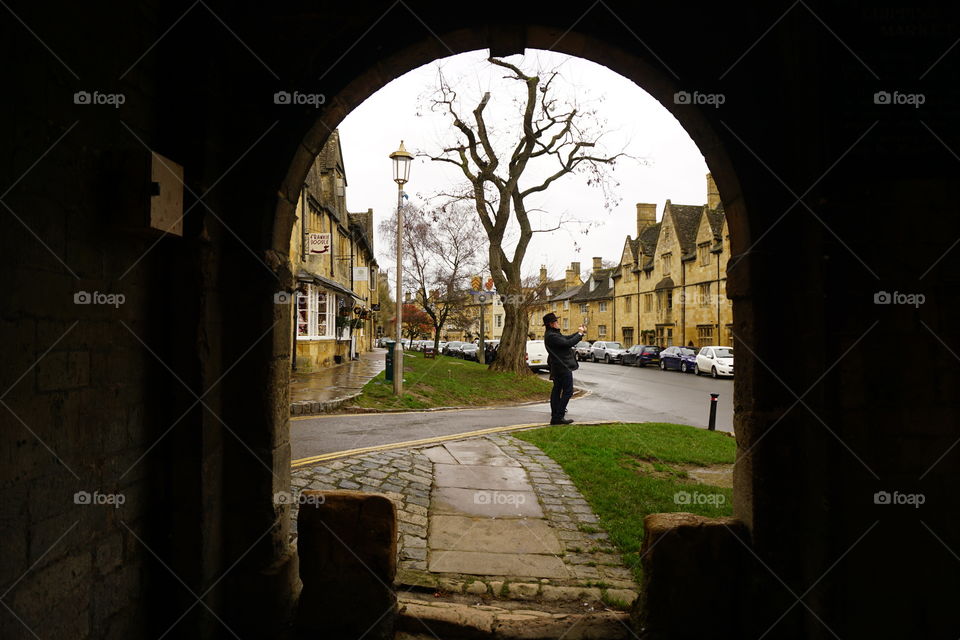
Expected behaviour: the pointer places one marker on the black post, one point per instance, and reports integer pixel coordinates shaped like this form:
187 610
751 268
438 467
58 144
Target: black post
713 411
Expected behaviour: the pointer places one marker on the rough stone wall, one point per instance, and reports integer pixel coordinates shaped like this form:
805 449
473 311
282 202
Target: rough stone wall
798 119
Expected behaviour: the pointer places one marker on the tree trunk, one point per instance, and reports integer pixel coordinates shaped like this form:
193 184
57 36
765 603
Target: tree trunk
512 352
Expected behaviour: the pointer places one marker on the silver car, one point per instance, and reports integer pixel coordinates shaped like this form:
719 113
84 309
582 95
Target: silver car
609 352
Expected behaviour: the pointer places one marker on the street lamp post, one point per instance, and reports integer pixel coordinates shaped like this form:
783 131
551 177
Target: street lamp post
401 173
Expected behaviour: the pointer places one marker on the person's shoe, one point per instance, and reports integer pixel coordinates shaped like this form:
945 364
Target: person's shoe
562 421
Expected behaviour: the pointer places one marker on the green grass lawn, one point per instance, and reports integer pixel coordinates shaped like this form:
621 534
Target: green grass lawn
450 382
627 471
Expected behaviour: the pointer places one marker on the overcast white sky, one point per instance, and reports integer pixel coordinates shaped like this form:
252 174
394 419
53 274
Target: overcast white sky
635 123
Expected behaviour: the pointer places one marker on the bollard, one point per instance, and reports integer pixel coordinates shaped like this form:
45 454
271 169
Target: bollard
712 426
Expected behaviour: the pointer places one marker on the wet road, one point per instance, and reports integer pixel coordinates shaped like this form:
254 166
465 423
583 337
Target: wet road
617 393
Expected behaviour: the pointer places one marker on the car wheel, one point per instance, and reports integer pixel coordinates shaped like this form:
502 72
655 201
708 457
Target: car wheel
683 367
696 369
606 359
663 366
713 372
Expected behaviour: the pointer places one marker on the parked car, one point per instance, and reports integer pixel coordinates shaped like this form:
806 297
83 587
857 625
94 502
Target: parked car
537 355
582 350
682 359
469 352
640 355
453 347
715 360
608 352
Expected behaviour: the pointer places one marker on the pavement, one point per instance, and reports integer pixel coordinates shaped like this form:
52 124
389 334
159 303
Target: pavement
489 517
327 389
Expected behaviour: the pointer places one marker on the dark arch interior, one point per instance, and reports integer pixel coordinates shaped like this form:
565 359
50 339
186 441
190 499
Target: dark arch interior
817 182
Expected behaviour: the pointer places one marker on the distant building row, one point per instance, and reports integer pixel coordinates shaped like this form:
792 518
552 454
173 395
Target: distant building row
668 288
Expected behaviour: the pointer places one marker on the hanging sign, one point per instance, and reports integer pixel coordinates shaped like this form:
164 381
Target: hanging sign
318 243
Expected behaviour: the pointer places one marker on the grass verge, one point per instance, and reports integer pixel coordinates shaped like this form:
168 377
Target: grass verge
449 382
627 471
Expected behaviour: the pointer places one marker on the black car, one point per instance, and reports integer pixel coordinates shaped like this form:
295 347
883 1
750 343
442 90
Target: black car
680 359
640 355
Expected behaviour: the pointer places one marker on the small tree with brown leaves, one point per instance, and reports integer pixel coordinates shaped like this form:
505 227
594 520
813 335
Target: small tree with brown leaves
442 248
548 130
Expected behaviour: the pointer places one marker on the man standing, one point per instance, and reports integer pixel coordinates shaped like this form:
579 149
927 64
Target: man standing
562 363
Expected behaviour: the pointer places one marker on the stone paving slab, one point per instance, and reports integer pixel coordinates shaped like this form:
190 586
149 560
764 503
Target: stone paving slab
479 451
458 533
483 502
439 455
481 477
482 563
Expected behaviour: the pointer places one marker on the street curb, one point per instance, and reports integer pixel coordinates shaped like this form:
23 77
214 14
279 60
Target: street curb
310 407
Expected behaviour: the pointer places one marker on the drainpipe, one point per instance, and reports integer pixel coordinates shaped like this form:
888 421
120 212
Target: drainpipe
637 333
683 307
352 242
718 299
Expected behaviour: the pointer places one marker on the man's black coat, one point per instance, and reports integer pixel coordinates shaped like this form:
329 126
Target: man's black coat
560 356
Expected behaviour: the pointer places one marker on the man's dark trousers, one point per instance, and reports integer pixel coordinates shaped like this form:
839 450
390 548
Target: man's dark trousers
561 394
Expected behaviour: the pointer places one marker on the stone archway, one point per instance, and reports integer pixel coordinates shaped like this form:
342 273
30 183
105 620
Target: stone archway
835 182
659 84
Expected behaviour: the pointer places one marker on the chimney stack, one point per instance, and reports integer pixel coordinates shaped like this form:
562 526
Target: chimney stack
713 195
597 263
543 273
406 297
573 275
646 216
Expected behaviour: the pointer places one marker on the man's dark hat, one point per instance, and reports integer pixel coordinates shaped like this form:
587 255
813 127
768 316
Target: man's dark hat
550 317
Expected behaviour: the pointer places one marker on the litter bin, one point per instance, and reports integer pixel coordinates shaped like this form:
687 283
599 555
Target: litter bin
389 344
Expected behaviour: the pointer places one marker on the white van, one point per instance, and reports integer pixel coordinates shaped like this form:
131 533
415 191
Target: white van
537 355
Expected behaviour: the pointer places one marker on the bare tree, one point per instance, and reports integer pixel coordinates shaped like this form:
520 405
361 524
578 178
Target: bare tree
551 131
442 248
